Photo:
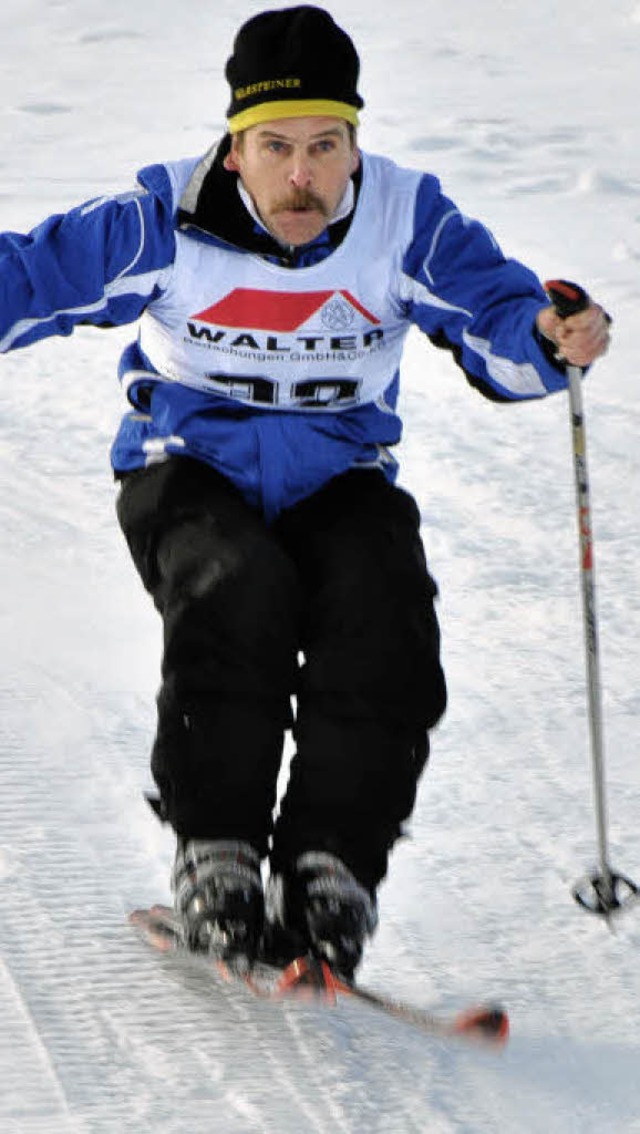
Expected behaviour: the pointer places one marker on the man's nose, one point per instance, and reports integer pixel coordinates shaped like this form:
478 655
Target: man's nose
300 173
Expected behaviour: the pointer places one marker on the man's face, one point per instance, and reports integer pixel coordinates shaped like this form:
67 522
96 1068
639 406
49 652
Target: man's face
296 170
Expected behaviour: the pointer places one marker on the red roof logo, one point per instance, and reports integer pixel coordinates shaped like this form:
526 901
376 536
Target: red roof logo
284 310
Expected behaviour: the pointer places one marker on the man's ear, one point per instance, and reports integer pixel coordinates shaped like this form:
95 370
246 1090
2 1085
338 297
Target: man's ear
355 159
230 162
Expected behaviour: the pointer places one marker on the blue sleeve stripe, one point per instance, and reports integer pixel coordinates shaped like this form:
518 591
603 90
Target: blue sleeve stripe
518 379
141 285
140 248
416 292
434 243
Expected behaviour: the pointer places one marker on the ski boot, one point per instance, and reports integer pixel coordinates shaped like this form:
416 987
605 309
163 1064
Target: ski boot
320 908
219 898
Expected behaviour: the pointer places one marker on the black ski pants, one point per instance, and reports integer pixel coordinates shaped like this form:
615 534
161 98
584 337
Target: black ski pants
332 605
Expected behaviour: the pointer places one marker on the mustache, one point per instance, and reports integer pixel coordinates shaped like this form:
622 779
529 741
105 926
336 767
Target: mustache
300 199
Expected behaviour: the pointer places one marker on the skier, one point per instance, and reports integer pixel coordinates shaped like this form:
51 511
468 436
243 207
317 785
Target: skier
274 280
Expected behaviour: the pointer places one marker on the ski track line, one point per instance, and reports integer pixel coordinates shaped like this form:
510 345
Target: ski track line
233 1095
303 1047
282 1075
15 1016
252 1027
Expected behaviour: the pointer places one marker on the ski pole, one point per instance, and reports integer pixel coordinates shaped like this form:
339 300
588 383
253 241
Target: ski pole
604 891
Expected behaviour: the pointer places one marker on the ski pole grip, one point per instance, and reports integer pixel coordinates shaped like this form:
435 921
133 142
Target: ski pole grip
567 298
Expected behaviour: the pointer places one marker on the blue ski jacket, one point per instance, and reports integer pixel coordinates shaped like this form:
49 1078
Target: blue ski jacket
278 367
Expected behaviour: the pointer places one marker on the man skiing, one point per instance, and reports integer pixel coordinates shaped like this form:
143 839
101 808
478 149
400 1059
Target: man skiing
275 279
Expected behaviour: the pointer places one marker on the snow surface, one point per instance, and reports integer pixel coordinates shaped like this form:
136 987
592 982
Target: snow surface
529 113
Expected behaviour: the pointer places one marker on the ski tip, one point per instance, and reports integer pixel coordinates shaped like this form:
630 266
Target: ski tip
155 928
490 1024
150 913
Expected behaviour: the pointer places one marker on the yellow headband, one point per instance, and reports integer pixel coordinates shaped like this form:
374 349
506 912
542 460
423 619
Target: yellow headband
292 108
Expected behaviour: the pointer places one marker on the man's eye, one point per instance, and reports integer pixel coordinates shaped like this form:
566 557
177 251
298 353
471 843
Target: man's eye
276 147
325 146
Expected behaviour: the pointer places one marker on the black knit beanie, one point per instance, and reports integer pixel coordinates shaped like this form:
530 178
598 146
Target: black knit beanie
292 63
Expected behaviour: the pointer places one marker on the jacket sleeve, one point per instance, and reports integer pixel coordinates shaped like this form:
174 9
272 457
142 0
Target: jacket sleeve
101 263
458 287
